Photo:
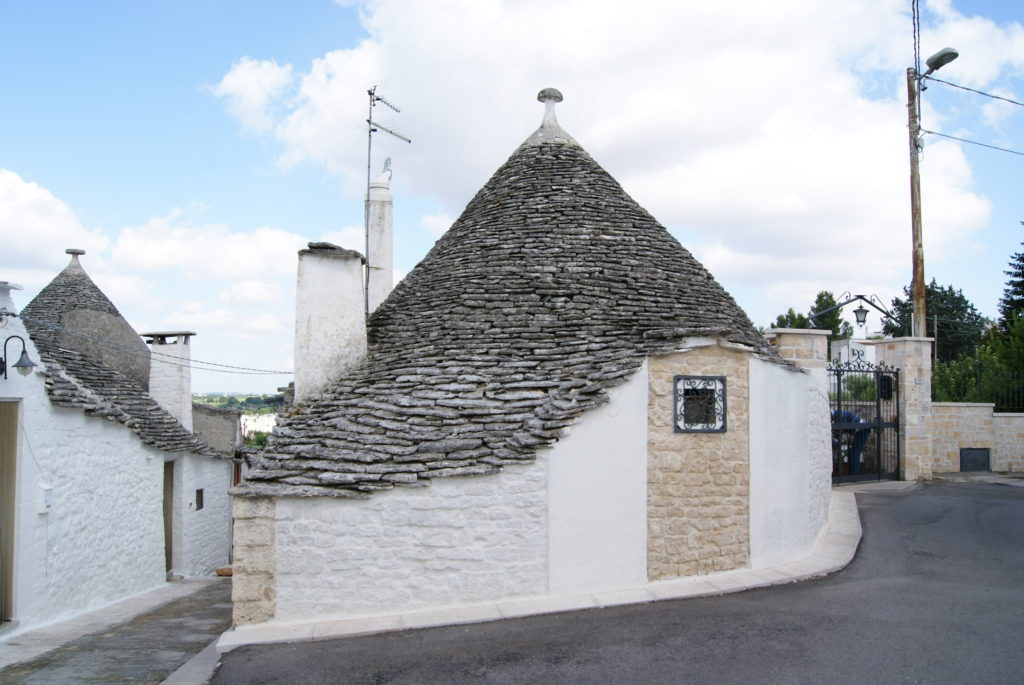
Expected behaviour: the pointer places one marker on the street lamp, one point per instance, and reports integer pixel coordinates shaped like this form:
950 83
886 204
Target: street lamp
24 364
860 314
935 62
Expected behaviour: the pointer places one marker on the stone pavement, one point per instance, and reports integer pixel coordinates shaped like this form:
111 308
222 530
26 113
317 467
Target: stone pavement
120 645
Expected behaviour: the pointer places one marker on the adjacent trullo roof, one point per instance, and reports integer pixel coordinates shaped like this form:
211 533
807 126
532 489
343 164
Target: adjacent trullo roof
550 288
96 362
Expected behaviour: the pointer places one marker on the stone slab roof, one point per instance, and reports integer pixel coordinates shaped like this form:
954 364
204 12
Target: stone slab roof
96 362
549 289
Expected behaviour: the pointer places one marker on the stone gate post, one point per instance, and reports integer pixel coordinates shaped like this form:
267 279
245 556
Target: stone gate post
913 357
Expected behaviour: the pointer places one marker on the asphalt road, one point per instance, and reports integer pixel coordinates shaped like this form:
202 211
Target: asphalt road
935 595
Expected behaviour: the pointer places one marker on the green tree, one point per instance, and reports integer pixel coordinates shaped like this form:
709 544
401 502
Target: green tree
833 320
1008 345
1011 305
961 326
791 320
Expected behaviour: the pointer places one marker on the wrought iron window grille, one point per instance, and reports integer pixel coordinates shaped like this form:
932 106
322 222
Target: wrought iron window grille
700 405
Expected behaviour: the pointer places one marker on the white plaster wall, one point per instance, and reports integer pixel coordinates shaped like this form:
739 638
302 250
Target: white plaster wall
330 320
380 256
102 538
459 540
786 507
597 496
205 534
170 378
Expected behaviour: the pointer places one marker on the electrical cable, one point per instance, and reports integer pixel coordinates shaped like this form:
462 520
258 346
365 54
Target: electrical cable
973 142
979 92
171 359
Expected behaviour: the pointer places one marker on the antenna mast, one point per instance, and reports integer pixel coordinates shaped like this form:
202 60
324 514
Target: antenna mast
372 128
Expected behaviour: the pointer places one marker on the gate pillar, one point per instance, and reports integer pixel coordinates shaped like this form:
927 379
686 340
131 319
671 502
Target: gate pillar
807 347
913 357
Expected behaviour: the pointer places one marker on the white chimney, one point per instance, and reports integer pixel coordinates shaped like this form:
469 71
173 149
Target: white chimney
330 321
170 377
380 248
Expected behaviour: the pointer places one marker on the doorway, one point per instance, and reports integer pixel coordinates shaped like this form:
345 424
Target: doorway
8 464
168 516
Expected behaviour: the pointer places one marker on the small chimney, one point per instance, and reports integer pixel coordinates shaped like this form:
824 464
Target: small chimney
170 376
330 321
379 205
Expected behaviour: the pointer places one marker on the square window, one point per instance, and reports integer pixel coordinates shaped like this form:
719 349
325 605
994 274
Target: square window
699 404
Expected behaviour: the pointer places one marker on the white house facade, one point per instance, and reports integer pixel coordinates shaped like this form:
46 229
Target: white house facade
105 494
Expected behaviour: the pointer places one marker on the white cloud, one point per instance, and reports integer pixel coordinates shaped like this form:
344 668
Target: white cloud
349 237
251 292
213 251
252 89
775 137
230 323
996 112
35 228
436 224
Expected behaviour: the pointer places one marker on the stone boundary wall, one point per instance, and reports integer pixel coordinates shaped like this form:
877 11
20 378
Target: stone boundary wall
698 503
255 560
960 424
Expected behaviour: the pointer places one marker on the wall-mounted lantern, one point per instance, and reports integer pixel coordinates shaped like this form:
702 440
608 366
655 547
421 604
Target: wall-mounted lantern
23 365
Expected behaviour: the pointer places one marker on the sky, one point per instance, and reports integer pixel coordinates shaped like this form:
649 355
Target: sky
193 147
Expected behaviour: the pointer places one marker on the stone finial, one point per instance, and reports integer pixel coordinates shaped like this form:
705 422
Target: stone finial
549 96
74 252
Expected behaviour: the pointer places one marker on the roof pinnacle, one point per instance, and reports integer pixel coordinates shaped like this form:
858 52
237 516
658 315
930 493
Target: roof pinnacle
550 131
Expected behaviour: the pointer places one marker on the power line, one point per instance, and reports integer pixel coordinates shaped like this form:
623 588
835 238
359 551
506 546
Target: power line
915 14
979 92
973 142
171 359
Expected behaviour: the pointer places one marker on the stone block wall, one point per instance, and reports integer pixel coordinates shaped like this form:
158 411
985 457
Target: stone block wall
807 348
698 483
912 356
962 424
956 425
1008 442
254 561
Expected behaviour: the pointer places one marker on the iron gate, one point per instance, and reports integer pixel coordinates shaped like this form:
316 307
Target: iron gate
864 399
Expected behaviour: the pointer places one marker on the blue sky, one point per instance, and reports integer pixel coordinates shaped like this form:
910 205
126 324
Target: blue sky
192 146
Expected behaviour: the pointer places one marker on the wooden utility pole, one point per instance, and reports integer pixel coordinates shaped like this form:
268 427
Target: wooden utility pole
917 282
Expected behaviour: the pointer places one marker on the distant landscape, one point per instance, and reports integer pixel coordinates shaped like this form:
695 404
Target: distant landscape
247 404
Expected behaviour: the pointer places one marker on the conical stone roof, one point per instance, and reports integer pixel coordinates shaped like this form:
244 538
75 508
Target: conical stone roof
550 288
95 361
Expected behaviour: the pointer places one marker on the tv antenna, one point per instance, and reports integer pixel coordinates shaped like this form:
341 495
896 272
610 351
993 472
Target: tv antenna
373 127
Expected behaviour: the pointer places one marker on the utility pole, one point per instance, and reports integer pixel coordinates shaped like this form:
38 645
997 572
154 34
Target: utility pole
917 281
936 61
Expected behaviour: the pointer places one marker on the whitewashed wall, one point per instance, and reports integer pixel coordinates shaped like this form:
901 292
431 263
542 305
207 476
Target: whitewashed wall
205 533
106 494
789 486
597 496
573 521
459 540
101 539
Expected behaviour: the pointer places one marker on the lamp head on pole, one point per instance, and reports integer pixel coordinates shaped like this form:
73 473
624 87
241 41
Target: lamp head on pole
940 59
861 314
24 364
